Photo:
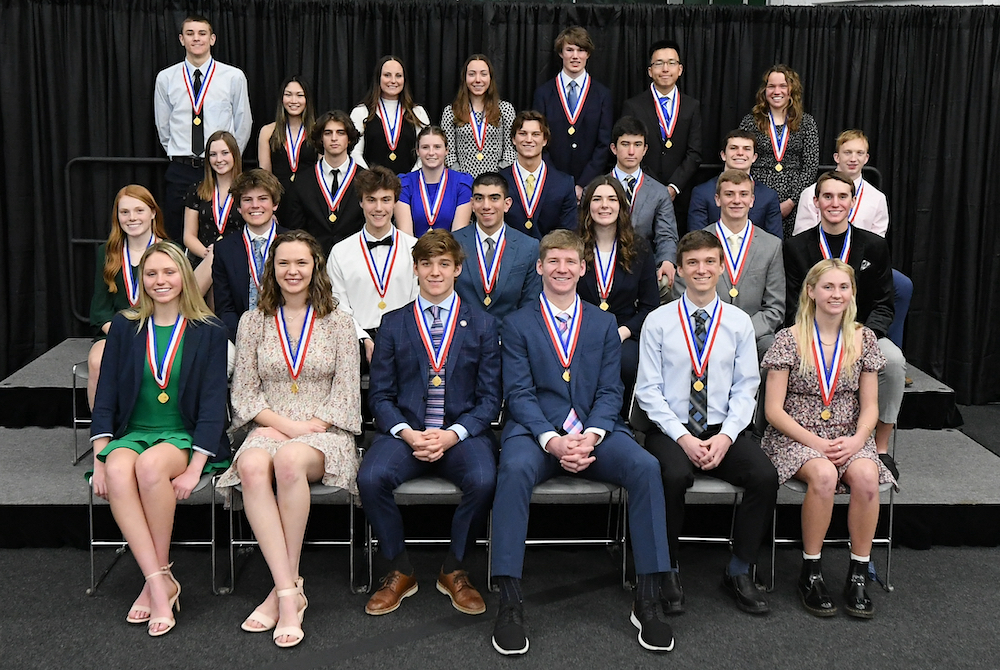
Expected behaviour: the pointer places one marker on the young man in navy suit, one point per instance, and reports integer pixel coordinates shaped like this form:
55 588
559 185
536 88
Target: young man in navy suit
740 153
578 110
543 198
562 381
501 275
239 260
435 388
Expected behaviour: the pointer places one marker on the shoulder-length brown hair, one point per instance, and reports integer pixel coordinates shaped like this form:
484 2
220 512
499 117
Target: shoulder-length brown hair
116 238
191 303
320 290
623 228
308 117
491 99
206 189
374 94
793 116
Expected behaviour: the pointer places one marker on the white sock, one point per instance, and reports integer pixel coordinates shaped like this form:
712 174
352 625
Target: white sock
860 559
812 557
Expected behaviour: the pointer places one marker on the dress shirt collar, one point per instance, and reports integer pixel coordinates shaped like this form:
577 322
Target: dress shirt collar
446 304
368 237
565 79
691 308
522 172
495 236
191 67
623 176
341 171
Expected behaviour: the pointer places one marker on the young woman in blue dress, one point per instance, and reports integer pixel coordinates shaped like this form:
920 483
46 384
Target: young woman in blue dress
433 196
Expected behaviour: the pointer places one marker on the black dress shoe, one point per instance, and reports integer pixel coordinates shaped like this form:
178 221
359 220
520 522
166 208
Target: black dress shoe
671 594
508 632
858 603
748 596
654 635
812 590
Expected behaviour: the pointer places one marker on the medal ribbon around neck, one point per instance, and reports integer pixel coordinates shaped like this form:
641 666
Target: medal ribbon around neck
478 129
131 281
778 145
221 210
638 184
392 130
293 147
828 376
666 125
439 357
605 275
699 358
333 199
530 204
380 279
197 102
161 367
432 211
256 272
735 265
294 359
824 246
857 203
490 273
573 115
565 350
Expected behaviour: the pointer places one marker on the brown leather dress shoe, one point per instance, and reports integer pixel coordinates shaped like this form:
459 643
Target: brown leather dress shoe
463 594
394 587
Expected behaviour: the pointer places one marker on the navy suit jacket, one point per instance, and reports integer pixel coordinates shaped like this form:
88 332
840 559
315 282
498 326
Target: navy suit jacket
231 280
765 213
677 164
399 372
518 283
585 154
306 209
557 208
203 384
538 399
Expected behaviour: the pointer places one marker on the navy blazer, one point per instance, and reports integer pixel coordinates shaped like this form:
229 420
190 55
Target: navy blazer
306 209
557 208
203 384
231 280
538 399
678 164
397 387
765 213
633 294
518 284
586 153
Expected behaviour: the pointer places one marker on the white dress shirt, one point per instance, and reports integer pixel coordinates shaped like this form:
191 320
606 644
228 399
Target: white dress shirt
872 215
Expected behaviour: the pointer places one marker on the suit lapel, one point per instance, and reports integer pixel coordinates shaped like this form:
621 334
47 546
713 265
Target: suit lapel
472 264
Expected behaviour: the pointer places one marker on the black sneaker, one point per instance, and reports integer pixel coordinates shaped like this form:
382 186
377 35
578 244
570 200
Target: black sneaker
654 635
508 632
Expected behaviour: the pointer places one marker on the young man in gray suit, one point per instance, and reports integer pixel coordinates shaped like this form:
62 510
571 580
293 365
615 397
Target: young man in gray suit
652 208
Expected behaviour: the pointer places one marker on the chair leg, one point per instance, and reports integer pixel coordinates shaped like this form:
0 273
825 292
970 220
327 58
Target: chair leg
355 587
490 586
623 536
77 422
774 532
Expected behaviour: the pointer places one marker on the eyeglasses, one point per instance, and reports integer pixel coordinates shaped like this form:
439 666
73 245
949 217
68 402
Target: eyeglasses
659 64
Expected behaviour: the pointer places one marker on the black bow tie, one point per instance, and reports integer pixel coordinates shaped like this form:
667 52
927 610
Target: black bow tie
384 242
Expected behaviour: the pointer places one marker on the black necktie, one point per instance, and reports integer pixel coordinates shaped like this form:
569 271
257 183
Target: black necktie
384 242
197 123
630 180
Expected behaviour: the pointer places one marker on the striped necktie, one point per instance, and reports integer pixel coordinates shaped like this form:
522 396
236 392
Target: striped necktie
434 415
698 411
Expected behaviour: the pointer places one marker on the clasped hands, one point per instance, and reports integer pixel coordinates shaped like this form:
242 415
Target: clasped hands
705 454
429 445
840 449
575 452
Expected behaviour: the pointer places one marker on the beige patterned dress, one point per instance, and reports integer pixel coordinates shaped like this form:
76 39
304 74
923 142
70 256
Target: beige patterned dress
328 389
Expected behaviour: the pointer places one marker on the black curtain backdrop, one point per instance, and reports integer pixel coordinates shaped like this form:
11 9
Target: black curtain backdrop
77 80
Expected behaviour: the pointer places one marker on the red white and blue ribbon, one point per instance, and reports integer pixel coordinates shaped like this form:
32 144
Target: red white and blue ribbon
489 273
565 348
198 101
437 357
391 129
857 202
530 204
621 176
478 129
161 366
293 147
605 272
221 210
431 211
572 115
735 264
131 281
699 357
333 199
828 374
380 278
294 359
778 144
824 246
667 121
257 272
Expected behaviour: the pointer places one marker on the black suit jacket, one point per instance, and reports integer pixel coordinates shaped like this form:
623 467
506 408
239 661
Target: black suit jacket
306 209
678 164
633 294
231 280
585 154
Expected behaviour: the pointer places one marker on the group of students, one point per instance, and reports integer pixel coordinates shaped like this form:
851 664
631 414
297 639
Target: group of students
475 298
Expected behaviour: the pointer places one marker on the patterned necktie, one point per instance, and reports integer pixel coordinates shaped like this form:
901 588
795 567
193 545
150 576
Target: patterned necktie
491 248
197 129
434 415
258 261
573 97
698 412
530 186
571 424
630 192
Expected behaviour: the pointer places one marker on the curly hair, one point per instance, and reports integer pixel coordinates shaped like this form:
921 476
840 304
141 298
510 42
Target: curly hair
794 112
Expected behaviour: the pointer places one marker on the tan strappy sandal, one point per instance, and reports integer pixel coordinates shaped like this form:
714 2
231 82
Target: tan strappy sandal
287 631
173 603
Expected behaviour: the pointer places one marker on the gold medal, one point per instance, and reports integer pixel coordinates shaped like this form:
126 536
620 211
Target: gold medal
392 156
479 156
566 375
487 300
218 238
699 385
381 304
295 387
197 121
163 397
669 144
604 305
778 168
293 178
333 217
527 224
572 130
734 291
826 415
436 381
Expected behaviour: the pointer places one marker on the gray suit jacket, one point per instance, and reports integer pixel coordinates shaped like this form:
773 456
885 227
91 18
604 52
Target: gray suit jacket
653 218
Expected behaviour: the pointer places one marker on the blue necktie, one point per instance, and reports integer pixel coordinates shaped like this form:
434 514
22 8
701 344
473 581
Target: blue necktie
258 261
572 97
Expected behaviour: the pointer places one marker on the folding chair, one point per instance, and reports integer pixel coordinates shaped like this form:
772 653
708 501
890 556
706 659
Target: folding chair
80 373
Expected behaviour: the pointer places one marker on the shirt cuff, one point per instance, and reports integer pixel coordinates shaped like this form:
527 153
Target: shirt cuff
97 437
398 428
544 438
202 451
677 191
459 430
